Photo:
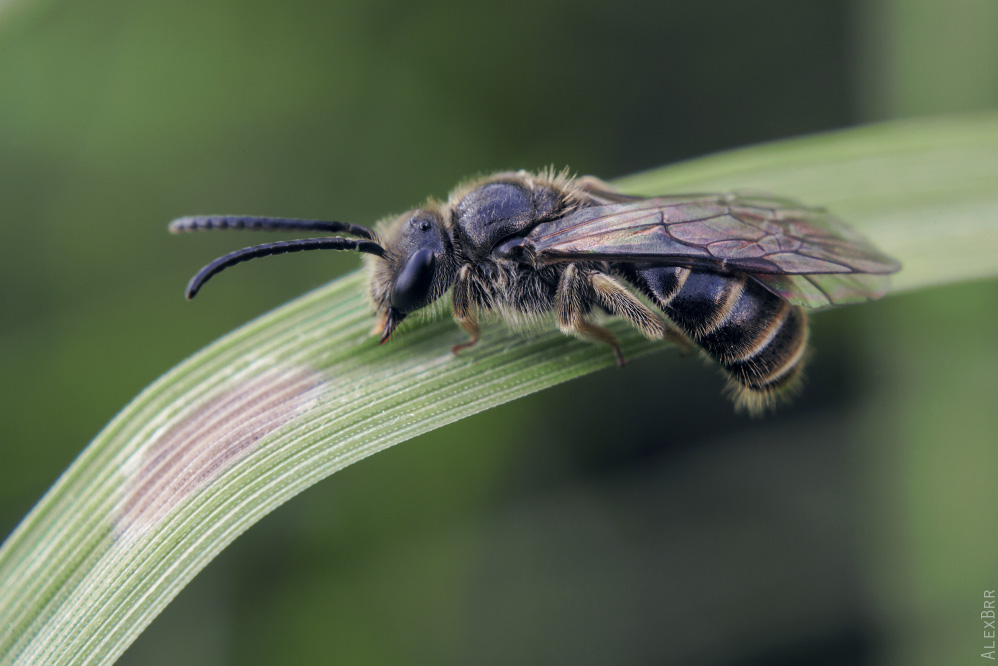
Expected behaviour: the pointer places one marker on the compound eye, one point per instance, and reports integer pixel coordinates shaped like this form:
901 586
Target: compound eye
413 283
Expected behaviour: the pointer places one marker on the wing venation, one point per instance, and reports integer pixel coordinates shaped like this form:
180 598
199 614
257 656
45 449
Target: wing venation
804 254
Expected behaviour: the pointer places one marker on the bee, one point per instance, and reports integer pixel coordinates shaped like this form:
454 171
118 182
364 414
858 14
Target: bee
731 273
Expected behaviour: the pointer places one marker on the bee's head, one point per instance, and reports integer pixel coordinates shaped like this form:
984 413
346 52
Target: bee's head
412 268
418 267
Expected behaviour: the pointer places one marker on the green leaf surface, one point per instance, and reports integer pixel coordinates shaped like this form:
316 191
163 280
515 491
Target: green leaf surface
290 398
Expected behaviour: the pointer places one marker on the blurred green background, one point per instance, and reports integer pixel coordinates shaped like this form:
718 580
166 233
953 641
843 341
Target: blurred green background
629 517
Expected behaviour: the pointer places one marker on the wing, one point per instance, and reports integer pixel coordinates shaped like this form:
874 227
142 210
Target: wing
803 254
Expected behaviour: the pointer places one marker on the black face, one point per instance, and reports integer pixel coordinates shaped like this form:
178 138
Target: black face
418 271
425 246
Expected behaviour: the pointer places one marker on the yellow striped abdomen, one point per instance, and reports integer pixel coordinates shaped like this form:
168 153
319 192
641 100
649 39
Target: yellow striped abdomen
756 336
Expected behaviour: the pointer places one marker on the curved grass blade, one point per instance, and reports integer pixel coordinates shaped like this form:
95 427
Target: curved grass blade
303 391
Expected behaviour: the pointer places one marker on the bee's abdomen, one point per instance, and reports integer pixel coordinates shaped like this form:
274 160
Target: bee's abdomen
756 336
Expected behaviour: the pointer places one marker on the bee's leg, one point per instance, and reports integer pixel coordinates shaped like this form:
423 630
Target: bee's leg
574 303
619 301
473 329
464 310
